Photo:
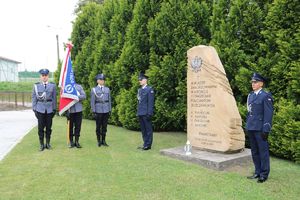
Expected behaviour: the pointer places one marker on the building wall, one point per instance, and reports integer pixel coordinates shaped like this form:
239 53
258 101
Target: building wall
8 71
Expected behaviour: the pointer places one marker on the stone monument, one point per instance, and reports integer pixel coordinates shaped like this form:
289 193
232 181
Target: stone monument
214 125
213 119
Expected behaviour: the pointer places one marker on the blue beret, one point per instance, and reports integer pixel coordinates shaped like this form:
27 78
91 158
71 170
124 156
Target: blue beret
142 76
257 77
100 77
44 71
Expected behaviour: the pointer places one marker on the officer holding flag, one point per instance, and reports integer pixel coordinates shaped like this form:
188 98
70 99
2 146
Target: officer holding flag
74 114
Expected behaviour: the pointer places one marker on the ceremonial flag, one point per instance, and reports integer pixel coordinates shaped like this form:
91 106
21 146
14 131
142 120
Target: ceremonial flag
68 92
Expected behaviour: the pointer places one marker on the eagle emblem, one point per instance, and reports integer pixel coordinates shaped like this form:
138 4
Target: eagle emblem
196 64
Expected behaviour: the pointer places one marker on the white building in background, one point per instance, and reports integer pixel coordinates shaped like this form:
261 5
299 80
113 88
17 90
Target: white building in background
8 70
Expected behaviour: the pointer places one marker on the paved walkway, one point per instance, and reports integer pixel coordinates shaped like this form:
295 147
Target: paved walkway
14 125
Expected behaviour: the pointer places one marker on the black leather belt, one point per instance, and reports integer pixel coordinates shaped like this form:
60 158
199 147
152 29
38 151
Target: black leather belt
102 101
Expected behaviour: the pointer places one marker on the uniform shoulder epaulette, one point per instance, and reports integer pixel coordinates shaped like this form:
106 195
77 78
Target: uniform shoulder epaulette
151 89
52 83
267 93
268 96
37 83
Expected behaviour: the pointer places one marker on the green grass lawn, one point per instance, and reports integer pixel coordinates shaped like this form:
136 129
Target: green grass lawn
16 87
123 172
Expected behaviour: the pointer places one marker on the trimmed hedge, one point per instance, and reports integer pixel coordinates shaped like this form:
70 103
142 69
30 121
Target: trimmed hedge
121 38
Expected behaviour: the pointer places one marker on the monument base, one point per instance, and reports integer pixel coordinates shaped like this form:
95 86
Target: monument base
212 160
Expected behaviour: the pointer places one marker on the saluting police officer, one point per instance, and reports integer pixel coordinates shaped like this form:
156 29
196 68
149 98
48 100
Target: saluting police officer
145 111
74 114
44 107
101 107
258 125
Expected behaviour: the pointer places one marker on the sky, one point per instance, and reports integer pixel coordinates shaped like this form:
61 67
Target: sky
28 30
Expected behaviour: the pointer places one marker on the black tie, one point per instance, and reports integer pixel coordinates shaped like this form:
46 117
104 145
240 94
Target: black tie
45 85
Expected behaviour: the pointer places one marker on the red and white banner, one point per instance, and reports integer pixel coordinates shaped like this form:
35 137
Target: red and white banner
68 92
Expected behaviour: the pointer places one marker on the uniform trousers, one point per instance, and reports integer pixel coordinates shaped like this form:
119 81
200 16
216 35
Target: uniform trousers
75 124
146 129
44 120
101 123
260 153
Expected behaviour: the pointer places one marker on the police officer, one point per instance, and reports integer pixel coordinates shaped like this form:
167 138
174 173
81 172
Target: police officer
44 107
74 114
258 125
145 111
101 107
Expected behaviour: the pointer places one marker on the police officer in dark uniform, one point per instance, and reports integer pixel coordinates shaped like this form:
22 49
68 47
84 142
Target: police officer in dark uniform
101 107
44 107
258 125
74 114
145 111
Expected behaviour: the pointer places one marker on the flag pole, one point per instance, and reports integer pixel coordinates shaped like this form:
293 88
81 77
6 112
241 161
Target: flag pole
68 132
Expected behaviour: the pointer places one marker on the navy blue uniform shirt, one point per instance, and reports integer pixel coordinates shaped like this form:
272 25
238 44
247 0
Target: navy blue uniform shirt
260 112
145 101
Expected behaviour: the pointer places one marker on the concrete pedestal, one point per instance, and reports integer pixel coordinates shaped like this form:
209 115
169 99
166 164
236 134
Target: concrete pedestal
212 160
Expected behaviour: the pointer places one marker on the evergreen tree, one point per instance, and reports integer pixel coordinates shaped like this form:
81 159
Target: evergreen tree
281 49
134 59
110 38
122 38
176 28
84 26
83 39
236 36
281 63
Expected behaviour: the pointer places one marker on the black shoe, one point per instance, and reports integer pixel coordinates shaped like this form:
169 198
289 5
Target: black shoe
104 144
77 145
146 148
261 179
254 176
99 144
48 146
103 140
71 145
42 147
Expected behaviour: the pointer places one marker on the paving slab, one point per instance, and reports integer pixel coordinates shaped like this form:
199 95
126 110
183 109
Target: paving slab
14 125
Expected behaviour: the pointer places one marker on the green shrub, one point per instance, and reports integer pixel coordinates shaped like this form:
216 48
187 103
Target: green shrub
285 137
127 106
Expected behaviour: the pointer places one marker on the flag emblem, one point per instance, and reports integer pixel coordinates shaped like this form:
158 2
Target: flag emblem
68 92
